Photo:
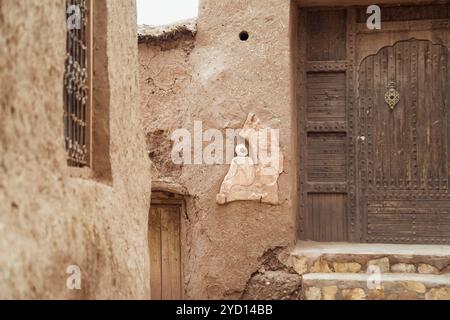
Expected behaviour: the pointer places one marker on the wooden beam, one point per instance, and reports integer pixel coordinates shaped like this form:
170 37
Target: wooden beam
334 3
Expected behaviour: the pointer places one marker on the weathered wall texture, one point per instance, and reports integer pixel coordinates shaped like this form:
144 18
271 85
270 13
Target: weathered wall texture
48 219
219 79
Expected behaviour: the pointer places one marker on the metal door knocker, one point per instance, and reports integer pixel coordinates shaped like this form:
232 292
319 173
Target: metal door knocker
392 96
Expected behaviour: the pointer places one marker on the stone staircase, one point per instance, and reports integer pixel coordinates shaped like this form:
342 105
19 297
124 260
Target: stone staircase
344 271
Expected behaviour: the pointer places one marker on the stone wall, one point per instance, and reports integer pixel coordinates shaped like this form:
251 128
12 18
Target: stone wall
50 219
218 79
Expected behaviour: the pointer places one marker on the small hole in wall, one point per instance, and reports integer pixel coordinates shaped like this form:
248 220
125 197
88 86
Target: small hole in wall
244 36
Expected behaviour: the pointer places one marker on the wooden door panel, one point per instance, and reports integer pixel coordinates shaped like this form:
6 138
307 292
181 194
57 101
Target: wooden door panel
328 35
327 217
154 235
405 149
426 221
165 252
432 117
324 120
171 255
326 157
408 13
326 97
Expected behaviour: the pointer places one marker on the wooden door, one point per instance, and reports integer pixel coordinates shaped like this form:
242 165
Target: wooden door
404 146
370 172
326 185
165 252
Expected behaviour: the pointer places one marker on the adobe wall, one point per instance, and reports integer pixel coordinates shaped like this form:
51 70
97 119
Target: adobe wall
218 79
48 218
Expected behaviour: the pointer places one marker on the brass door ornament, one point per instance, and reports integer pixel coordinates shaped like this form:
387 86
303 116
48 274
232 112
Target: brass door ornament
392 96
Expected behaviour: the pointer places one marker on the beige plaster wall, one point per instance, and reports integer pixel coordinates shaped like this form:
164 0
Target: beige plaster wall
219 79
49 219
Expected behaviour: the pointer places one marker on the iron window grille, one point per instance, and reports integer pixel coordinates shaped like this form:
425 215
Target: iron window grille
78 83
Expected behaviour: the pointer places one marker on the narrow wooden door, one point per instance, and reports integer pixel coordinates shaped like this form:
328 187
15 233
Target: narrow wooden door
404 93
325 156
165 252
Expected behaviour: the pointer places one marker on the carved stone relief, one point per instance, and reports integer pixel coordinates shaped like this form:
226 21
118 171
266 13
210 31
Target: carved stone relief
254 171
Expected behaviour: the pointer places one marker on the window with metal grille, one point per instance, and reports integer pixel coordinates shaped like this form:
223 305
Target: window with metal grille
78 83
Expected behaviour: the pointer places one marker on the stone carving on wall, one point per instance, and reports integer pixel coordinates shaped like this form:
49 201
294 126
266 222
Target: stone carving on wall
254 171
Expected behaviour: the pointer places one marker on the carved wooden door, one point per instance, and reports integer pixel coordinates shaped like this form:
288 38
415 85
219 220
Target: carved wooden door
403 143
374 129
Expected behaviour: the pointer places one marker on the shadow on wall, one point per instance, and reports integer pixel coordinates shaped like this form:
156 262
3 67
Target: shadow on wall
101 99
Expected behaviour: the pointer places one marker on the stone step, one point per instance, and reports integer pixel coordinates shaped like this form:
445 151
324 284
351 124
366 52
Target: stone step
389 286
314 257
